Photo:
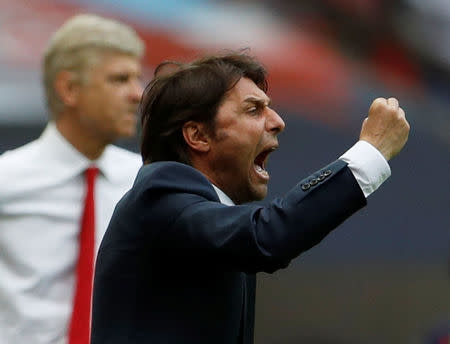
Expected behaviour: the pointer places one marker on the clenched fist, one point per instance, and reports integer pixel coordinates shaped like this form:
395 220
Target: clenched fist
385 127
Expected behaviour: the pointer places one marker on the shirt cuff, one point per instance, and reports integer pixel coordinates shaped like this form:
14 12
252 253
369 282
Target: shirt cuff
368 165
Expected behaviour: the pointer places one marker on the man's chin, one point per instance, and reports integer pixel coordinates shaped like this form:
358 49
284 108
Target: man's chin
258 193
261 195
128 132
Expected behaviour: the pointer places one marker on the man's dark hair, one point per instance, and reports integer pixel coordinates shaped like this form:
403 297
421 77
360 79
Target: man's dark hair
192 93
166 67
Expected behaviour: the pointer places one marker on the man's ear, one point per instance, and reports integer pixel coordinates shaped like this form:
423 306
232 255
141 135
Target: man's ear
67 88
196 136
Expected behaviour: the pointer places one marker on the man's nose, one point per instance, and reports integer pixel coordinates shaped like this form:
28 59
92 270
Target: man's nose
136 90
275 123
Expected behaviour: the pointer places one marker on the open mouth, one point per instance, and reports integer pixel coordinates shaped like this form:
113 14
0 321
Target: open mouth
261 162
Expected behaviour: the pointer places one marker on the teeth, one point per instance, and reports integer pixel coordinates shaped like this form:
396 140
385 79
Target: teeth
261 170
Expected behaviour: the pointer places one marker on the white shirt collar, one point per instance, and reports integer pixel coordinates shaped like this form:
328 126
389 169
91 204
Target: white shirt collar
70 160
224 199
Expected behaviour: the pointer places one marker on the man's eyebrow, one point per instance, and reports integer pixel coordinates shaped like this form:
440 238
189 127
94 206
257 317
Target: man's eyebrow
257 100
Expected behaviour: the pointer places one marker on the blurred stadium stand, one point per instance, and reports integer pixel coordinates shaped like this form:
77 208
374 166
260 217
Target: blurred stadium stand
383 277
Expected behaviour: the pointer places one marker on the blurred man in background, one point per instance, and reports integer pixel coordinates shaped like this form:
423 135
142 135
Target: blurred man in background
178 261
58 192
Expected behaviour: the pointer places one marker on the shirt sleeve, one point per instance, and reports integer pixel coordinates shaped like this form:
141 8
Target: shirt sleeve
368 165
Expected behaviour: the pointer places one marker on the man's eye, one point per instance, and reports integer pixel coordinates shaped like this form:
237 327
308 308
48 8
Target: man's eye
254 109
119 78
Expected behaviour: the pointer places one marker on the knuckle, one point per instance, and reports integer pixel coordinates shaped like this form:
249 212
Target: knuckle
393 99
379 102
377 105
404 124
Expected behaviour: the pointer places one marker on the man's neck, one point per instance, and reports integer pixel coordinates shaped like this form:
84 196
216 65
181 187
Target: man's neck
87 144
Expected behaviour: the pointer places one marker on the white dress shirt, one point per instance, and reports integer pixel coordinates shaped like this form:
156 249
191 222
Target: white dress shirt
42 189
367 164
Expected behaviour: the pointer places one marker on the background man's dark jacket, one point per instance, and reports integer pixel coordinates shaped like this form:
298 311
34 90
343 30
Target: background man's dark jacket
177 266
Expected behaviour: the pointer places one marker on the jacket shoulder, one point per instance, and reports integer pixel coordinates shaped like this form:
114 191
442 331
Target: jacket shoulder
159 194
174 177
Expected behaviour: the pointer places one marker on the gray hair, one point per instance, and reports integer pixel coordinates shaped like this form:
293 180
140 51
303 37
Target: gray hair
79 44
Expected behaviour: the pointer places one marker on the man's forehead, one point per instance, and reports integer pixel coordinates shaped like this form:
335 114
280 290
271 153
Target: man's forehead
246 90
113 61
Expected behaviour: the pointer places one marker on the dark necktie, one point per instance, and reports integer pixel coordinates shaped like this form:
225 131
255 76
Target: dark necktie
79 330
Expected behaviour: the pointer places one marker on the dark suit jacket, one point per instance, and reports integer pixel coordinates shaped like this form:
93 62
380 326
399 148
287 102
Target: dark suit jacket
177 266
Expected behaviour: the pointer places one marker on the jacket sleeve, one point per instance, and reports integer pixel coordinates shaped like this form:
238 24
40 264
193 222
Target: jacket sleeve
254 238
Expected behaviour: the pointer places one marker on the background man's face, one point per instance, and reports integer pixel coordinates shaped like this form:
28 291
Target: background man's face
245 133
109 100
